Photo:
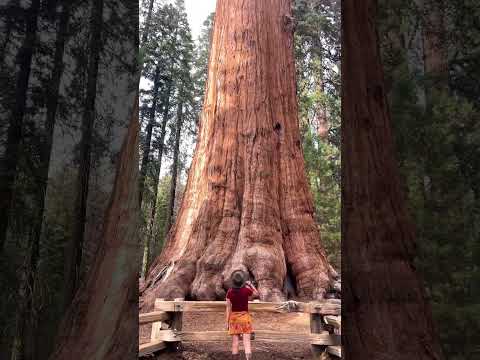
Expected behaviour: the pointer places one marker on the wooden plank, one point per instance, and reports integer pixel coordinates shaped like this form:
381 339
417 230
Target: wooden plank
151 347
316 328
154 316
335 321
327 307
323 338
254 306
335 350
156 326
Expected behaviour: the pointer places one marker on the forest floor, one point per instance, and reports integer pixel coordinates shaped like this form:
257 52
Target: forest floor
290 322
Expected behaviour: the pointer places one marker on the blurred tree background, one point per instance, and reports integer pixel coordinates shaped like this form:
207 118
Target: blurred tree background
431 57
67 69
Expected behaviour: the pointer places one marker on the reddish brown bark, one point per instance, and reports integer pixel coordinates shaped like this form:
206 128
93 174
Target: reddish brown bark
247 203
435 46
102 320
385 313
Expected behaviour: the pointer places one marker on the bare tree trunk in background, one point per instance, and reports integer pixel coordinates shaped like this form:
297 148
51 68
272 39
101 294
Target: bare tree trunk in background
73 256
435 48
173 183
382 291
148 138
8 169
52 102
151 223
148 21
8 165
247 203
435 42
99 322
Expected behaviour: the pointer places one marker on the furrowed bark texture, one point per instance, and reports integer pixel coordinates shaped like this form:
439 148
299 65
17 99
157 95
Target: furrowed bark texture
102 320
247 203
385 313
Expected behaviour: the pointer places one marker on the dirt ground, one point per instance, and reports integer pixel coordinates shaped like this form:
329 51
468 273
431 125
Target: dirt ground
291 322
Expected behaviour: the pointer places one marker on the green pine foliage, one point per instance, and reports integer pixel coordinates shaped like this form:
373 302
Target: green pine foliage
171 50
317 50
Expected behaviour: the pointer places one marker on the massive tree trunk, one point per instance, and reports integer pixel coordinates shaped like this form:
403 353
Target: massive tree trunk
385 310
247 203
75 247
8 165
102 320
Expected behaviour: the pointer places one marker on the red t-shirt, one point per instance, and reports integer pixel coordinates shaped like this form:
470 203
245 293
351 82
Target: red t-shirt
239 298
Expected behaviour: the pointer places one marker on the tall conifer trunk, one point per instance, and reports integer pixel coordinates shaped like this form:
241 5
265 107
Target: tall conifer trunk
173 183
247 204
385 312
149 130
8 165
75 246
8 170
151 222
146 31
435 46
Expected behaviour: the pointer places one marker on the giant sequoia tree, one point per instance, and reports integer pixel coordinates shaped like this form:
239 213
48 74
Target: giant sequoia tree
247 203
383 293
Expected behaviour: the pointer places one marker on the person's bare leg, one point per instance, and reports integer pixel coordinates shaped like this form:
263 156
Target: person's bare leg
247 345
235 344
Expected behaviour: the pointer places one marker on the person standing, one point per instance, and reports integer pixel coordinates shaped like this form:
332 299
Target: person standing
239 321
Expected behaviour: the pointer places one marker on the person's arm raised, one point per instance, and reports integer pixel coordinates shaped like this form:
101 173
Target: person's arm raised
253 288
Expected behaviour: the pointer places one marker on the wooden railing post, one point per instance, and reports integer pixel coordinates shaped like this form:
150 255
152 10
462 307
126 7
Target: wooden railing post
316 327
177 322
156 326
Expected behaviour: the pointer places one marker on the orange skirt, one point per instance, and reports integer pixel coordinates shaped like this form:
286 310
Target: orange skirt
240 323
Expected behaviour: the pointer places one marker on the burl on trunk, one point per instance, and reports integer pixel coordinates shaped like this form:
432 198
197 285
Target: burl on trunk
247 204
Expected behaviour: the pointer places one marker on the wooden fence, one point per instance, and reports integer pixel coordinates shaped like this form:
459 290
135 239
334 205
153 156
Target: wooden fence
166 319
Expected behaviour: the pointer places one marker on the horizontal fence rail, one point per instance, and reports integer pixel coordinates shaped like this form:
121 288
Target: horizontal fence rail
166 320
325 308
